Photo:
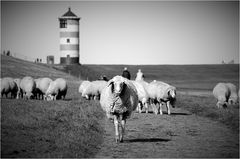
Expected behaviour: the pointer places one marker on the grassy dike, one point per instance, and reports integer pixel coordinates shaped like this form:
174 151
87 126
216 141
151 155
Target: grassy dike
36 128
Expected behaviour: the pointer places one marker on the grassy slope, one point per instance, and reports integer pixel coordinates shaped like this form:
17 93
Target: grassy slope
36 128
182 76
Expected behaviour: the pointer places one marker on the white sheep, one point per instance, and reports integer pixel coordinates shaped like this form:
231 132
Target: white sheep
57 89
83 86
119 99
233 98
28 87
94 89
8 86
221 92
143 96
43 85
19 92
38 92
161 93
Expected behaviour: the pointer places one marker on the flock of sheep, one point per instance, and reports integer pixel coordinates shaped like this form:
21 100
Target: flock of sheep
29 88
119 97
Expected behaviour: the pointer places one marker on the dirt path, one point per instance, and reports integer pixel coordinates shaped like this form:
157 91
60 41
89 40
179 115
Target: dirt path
179 135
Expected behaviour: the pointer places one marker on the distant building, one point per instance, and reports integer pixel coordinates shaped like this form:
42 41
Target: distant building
69 38
50 59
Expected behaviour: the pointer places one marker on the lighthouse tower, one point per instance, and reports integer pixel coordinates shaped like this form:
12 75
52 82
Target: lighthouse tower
69 38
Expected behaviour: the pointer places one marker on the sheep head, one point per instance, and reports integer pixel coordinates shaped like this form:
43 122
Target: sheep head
117 85
233 100
172 93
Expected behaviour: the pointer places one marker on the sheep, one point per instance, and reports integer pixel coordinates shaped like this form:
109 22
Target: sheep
83 87
94 89
19 92
221 92
8 86
28 87
233 98
43 85
142 95
38 92
160 93
57 89
119 99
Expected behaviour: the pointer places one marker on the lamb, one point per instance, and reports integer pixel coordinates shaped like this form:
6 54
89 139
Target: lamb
160 93
222 93
142 96
19 92
28 87
8 86
57 89
119 99
94 89
233 98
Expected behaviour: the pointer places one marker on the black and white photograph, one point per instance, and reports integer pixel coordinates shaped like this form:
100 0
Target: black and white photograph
119 79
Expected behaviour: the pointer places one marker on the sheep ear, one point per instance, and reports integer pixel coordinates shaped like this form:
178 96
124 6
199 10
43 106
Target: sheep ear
124 88
168 92
111 85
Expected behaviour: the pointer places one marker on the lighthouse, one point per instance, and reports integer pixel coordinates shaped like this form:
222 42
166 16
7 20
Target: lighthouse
69 38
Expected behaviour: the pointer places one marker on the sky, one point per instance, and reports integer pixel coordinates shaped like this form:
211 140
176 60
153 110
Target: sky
126 32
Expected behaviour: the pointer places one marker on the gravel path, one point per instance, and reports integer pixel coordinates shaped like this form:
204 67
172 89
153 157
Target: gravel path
181 134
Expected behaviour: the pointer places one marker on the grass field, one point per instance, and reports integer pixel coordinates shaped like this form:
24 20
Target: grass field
199 77
36 128
71 128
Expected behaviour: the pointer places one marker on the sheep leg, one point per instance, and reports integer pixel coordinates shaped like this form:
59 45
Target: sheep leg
139 107
116 124
160 108
168 107
18 95
218 104
146 107
123 123
155 108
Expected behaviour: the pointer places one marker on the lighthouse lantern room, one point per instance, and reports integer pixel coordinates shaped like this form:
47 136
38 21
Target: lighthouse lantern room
69 38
